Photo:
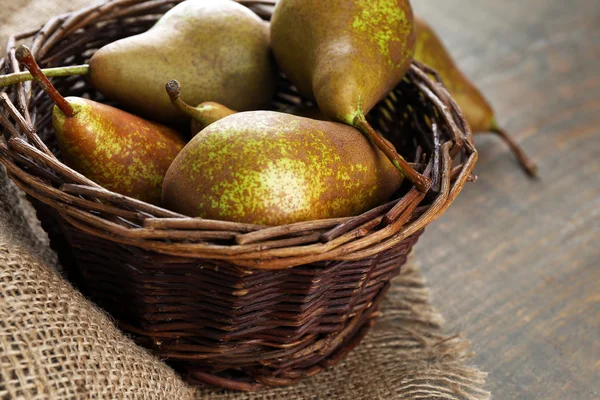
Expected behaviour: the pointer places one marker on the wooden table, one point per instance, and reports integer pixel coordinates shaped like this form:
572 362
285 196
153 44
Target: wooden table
515 264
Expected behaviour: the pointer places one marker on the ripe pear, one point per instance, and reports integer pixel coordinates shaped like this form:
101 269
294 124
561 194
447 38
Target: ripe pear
347 55
431 51
217 48
119 151
271 168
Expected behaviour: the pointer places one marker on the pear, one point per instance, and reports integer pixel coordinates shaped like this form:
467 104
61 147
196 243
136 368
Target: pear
347 55
208 112
217 48
431 51
271 168
119 151
203 115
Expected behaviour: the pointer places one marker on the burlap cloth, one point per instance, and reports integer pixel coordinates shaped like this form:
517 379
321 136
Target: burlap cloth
56 344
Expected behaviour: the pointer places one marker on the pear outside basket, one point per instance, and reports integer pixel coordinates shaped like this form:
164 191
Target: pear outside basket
227 304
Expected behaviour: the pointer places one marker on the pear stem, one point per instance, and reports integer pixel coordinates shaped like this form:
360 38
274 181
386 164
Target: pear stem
174 91
422 183
18 77
23 55
526 163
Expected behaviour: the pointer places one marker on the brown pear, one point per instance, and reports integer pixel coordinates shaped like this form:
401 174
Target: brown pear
271 168
119 151
347 55
431 51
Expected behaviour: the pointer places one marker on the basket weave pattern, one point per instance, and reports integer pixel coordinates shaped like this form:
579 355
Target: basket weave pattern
229 304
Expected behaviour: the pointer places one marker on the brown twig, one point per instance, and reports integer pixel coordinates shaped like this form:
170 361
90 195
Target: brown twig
526 163
23 55
421 182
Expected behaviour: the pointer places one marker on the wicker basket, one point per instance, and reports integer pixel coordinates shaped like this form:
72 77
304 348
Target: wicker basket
228 304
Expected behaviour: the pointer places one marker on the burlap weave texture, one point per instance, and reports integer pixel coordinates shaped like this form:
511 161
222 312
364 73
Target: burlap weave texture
56 344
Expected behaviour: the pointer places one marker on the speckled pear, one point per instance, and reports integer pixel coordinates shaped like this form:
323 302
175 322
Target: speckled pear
431 51
119 151
218 49
347 55
271 168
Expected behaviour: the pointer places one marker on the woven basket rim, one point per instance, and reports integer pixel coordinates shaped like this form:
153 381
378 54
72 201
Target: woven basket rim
108 215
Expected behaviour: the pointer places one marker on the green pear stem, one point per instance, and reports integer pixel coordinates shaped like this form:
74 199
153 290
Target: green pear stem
19 77
526 163
23 55
422 183
174 91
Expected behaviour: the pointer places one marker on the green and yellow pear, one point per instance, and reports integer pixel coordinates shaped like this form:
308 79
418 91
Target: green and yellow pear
347 55
271 168
218 49
431 51
120 151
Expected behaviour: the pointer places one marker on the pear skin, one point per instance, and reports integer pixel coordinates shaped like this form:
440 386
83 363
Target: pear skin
431 51
347 55
210 112
119 151
271 168
218 49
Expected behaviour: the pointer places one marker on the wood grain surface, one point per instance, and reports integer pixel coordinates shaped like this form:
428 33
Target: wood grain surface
515 264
